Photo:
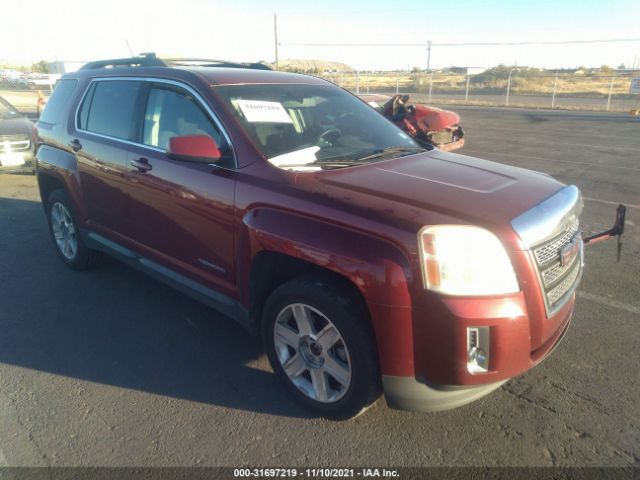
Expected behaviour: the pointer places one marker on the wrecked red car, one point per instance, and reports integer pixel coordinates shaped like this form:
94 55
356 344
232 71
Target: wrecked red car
435 126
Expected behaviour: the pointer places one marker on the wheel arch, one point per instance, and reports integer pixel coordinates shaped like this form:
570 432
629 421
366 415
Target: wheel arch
58 168
270 269
276 246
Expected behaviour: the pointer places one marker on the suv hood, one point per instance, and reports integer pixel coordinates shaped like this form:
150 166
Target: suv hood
15 126
413 188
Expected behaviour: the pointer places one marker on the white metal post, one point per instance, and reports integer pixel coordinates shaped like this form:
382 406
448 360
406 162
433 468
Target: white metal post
555 87
610 92
506 102
357 82
430 85
466 93
397 85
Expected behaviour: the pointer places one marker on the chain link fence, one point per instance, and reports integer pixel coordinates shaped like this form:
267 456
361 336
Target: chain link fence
580 91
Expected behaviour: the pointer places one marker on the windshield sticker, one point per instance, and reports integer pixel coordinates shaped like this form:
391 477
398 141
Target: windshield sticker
257 111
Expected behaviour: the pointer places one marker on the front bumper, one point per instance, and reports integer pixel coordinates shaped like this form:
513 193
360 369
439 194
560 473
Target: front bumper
28 164
409 393
441 378
448 147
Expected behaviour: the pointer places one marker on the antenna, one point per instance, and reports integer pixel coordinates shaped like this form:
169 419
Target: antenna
129 47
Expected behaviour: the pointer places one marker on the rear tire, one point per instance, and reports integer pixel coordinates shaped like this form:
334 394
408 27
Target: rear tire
320 343
65 233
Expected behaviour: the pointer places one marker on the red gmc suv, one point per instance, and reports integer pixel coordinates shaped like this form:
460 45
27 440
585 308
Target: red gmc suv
367 261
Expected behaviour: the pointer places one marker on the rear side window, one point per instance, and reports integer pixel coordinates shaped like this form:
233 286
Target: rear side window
59 100
109 108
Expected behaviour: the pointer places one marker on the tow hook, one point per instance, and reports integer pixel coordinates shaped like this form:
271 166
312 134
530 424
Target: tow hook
616 231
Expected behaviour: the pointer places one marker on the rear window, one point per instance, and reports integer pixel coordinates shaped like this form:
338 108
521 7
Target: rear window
58 102
109 108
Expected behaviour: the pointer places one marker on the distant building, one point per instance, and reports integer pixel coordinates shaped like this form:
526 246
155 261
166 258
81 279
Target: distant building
467 70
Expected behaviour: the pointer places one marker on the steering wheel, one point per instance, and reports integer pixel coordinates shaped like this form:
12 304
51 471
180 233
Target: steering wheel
325 137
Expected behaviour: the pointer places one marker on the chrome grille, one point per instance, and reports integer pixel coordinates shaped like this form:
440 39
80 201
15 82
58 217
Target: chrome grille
549 251
14 143
558 279
556 293
545 231
550 275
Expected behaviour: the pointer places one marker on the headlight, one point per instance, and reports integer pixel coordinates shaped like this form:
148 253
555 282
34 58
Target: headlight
465 260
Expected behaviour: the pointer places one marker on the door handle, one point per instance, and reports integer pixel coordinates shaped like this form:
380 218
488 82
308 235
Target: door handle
142 164
75 145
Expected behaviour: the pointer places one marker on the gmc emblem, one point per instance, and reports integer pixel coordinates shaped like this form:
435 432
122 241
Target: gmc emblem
570 251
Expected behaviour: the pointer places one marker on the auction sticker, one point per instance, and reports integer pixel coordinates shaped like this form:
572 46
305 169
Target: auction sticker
258 111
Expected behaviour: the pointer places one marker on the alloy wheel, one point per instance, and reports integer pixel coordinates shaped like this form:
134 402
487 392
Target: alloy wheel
312 353
64 231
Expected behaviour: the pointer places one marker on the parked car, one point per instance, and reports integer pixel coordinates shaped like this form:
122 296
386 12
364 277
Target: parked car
433 125
27 96
367 262
17 140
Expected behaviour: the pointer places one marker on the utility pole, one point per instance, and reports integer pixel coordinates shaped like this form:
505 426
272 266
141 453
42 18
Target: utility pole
428 55
275 37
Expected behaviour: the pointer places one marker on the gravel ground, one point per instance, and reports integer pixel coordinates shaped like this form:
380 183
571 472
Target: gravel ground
110 367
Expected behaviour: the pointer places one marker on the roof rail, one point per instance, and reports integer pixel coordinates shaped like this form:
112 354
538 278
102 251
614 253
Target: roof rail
207 62
143 60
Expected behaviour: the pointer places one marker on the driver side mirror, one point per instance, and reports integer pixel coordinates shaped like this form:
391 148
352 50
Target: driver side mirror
194 148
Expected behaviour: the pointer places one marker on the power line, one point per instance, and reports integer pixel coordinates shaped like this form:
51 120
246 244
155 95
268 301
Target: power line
463 44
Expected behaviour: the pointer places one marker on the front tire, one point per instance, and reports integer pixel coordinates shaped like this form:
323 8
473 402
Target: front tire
319 341
65 233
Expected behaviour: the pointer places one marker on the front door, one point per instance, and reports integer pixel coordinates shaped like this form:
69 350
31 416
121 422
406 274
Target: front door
183 212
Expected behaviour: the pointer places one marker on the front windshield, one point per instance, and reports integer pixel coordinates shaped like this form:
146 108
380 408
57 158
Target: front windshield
313 127
6 110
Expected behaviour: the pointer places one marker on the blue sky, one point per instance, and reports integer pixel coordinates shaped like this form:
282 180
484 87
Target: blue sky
243 30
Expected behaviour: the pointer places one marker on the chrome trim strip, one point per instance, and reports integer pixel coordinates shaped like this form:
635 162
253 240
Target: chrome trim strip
198 97
549 217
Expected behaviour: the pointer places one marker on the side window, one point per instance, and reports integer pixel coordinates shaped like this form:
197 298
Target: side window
109 108
173 112
59 100
83 115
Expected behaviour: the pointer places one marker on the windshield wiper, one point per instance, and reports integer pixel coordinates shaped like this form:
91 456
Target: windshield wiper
336 162
390 150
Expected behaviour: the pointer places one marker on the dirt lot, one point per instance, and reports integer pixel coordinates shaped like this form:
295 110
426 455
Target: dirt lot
112 368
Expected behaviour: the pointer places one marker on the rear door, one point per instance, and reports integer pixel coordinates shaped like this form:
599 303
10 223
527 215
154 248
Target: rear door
183 212
105 129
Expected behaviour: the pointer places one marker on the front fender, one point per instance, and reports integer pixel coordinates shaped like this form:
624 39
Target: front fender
379 269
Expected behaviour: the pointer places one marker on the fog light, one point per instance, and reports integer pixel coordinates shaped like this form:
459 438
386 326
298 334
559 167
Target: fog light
478 349
478 356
